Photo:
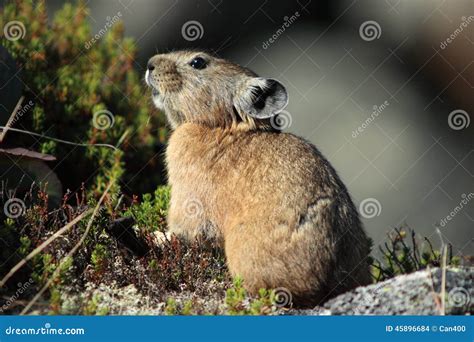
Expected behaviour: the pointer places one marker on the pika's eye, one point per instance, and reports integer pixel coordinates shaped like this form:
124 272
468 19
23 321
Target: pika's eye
198 63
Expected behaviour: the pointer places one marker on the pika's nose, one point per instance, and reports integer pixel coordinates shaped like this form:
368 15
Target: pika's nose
160 64
150 66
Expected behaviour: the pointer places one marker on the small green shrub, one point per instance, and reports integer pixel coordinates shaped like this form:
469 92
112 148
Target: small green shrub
404 253
84 92
93 307
238 301
151 212
99 257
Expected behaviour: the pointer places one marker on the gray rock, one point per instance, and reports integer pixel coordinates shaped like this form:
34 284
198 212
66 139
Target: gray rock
419 293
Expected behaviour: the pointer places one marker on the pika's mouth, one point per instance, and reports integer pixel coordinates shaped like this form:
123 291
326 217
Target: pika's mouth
148 81
147 78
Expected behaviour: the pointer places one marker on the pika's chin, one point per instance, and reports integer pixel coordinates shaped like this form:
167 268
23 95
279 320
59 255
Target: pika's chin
157 100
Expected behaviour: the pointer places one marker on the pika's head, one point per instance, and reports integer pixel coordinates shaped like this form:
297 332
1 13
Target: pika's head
196 87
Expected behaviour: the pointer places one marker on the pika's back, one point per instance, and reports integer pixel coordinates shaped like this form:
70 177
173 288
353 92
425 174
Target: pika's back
269 157
283 214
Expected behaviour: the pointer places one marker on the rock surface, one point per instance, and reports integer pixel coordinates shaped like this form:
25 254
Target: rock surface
418 293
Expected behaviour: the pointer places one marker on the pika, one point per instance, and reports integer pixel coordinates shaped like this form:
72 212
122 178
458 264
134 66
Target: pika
270 199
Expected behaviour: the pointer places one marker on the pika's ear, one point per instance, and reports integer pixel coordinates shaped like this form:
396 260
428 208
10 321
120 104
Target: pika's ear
261 98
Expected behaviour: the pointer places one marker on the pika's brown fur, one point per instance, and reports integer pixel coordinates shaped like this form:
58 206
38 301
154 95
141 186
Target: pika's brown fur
271 199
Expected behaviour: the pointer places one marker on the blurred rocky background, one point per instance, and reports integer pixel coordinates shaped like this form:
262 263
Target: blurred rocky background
384 88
